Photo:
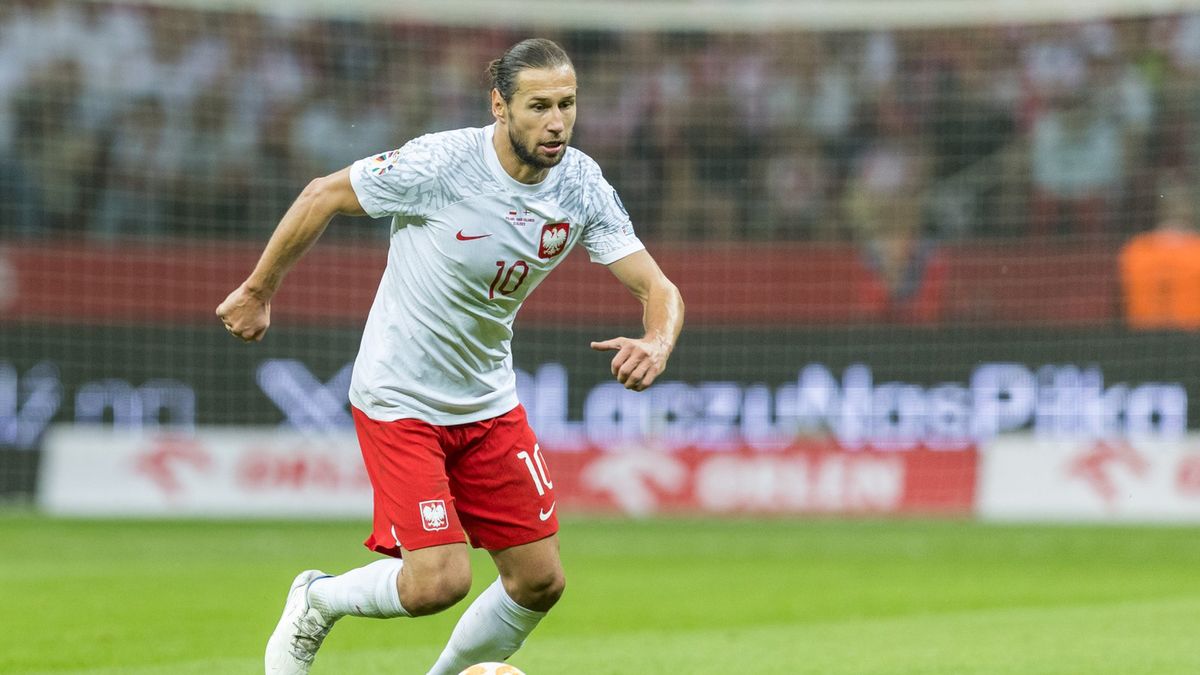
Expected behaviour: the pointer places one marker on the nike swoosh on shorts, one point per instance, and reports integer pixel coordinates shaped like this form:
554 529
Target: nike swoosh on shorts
545 515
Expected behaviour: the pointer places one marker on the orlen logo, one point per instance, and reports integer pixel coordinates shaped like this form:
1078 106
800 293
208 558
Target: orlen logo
168 461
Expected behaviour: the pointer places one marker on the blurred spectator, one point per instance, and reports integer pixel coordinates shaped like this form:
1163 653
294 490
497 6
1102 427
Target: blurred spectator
1182 95
260 74
1122 87
215 189
277 174
1055 63
338 125
796 182
834 100
1160 269
146 163
55 152
658 146
1077 163
884 209
719 151
113 46
457 79
969 123
970 119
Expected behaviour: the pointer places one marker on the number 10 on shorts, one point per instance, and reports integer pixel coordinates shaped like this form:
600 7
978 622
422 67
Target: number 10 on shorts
537 469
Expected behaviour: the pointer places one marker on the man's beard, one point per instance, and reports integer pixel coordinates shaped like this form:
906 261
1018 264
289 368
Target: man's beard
530 157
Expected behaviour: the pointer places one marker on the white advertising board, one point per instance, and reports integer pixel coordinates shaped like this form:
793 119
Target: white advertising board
1025 478
278 472
256 471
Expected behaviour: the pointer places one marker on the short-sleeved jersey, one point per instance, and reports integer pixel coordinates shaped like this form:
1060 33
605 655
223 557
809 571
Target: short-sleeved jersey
468 244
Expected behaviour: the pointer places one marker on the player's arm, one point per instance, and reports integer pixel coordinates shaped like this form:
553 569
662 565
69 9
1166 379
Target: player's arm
246 313
640 360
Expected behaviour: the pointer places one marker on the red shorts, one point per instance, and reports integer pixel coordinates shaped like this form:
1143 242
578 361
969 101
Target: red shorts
433 483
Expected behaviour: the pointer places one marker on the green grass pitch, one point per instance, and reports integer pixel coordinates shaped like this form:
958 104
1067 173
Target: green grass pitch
643 598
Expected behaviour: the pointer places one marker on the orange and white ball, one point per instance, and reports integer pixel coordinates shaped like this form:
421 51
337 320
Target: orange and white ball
492 669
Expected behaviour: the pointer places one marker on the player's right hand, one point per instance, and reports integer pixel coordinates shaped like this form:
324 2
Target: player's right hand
638 361
246 315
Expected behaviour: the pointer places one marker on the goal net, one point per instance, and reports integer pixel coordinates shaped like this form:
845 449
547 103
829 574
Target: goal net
938 257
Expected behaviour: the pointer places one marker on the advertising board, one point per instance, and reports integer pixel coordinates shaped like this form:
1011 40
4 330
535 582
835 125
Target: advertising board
268 472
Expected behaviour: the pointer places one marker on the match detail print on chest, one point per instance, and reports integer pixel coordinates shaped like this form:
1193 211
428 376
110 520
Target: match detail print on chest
542 242
547 231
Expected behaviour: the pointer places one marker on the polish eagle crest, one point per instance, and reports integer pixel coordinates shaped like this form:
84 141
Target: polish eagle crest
554 239
433 515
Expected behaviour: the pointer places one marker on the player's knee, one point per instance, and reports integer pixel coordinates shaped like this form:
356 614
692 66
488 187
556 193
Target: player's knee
553 589
436 592
539 592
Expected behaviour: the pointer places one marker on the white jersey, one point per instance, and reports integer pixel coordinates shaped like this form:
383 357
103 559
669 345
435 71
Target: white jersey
468 245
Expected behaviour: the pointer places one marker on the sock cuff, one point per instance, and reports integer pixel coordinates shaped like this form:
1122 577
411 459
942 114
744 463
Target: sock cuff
316 598
387 593
512 607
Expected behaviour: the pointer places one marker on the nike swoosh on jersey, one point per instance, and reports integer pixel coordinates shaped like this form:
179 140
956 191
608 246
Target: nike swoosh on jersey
545 515
468 237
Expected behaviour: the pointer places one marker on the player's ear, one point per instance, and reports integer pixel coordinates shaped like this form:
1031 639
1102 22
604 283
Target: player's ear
499 106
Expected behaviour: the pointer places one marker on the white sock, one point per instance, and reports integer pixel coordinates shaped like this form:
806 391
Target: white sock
367 591
492 629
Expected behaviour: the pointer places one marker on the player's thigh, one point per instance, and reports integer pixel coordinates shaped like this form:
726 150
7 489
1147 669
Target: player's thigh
503 488
437 562
414 505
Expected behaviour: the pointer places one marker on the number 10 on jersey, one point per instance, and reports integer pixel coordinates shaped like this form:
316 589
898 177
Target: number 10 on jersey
508 278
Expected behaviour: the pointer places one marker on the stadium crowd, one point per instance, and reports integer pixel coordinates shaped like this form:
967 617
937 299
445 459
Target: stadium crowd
121 120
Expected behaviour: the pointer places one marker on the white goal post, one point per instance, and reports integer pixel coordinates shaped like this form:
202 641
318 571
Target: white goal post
701 15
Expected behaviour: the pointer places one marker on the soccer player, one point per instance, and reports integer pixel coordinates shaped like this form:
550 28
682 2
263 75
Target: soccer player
479 218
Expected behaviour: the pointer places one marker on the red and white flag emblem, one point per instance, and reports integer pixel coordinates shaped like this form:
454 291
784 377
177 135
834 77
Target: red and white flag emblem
553 239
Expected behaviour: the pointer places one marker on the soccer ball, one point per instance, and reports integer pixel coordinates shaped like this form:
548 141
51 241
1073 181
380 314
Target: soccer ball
492 669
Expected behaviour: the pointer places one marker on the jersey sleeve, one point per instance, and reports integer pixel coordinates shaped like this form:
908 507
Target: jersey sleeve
398 182
608 233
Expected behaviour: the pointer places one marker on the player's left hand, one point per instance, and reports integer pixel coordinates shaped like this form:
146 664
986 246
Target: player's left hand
638 361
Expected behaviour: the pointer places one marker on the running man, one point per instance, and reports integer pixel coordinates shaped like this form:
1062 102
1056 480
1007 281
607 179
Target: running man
479 218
